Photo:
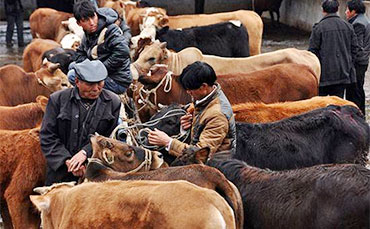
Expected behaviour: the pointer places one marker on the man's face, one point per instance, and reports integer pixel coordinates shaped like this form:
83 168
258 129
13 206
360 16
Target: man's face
350 13
89 25
199 93
89 90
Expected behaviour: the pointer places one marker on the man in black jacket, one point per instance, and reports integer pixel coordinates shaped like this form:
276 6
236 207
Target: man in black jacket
106 39
14 14
333 41
355 14
71 116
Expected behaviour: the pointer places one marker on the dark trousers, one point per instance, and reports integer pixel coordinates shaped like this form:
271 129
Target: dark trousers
14 19
355 92
337 89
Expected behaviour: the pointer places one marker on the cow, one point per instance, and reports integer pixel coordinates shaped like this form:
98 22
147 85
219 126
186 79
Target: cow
51 24
323 196
22 168
254 112
33 53
157 53
278 83
19 87
226 39
60 56
100 169
266 5
24 116
132 204
332 134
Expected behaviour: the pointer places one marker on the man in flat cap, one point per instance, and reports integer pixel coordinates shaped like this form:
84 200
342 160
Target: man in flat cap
71 116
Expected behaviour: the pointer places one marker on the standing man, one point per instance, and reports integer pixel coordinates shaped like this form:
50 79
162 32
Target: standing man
355 14
333 41
14 14
106 39
71 116
212 122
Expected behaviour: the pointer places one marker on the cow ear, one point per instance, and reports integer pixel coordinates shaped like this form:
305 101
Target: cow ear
202 154
42 203
43 101
65 23
163 45
163 22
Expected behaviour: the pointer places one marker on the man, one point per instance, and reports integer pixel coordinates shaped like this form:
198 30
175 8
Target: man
107 39
71 116
355 14
213 124
333 41
14 14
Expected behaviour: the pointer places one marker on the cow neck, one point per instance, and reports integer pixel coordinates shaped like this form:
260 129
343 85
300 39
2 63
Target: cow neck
173 62
42 83
145 94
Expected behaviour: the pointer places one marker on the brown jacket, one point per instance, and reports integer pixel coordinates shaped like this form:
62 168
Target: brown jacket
213 125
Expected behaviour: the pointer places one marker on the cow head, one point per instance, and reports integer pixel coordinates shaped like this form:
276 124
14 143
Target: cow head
155 53
156 73
70 41
122 157
42 101
192 155
71 25
50 76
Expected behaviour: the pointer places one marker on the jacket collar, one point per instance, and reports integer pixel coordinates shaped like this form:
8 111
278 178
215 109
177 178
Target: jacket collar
207 99
352 19
330 16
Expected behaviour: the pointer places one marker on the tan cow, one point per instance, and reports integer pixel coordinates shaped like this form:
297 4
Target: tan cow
19 87
32 54
262 113
132 204
24 116
157 53
22 168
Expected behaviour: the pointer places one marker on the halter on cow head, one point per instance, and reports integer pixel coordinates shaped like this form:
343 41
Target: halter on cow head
50 76
122 157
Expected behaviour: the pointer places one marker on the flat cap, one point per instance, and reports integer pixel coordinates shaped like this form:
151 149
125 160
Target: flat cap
91 71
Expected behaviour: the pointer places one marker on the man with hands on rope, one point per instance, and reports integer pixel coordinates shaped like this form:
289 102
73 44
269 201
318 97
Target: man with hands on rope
212 123
71 116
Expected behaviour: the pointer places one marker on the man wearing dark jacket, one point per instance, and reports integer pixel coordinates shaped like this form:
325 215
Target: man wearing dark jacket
355 14
333 41
14 14
71 116
107 39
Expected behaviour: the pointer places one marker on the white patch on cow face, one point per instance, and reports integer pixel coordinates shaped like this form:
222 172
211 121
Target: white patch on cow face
69 41
75 28
236 22
134 72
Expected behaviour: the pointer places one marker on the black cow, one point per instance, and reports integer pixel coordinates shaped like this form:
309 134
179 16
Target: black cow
62 56
323 196
222 39
266 5
332 134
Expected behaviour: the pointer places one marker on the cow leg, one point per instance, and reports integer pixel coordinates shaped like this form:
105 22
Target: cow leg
7 221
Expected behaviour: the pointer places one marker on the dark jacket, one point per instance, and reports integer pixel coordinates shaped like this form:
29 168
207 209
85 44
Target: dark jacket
60 127
114 52
334 42
13 7
361 26
213 126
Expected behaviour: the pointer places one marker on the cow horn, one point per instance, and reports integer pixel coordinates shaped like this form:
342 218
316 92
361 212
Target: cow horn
45 61
53 66
163 45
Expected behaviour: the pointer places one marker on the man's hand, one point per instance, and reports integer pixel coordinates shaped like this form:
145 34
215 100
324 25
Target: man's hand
80 172
76 161
186 120
159 138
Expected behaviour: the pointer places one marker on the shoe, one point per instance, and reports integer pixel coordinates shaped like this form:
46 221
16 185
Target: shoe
9 45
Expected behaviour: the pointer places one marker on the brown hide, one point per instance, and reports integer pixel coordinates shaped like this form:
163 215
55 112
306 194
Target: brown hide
134 204
19 87
251 21
157 53
22 168
32 54
261 113
283 82
46 23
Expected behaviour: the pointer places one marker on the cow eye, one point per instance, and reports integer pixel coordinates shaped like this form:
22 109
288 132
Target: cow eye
152 59
129 154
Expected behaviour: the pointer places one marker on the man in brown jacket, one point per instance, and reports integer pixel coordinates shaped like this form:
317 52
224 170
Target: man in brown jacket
212 122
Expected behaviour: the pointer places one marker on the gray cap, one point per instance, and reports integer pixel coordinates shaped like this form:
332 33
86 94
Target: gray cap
91 71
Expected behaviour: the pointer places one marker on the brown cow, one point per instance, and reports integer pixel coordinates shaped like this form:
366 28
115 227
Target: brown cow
24 116
22 168
19 87
157 53
262 113
100 168
132 204
282 82
32 54
46 23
